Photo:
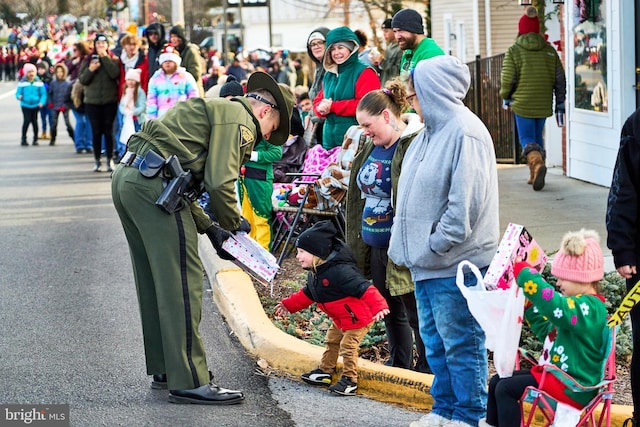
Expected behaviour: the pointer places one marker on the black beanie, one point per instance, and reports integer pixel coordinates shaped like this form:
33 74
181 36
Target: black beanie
178 31
231 87
408 20
318 240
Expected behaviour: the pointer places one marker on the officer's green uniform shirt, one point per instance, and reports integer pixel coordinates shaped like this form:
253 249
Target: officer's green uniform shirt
212 137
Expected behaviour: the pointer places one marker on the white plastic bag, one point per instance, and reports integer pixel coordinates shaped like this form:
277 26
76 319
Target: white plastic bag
128 128
499 313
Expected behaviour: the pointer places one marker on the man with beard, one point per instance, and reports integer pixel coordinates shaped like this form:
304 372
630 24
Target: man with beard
409 31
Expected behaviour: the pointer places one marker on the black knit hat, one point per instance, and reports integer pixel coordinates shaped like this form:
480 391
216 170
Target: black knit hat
318 240
386 24
231 87
178 30
408 20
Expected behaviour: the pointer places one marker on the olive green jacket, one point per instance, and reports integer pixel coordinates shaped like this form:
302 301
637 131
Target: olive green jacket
531 74
190 60
101 86
212 137
398 278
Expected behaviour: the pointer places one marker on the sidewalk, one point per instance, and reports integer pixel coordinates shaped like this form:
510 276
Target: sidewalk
563 205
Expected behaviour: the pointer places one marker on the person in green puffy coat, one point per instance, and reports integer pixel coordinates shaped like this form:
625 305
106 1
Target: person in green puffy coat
346 81
531 75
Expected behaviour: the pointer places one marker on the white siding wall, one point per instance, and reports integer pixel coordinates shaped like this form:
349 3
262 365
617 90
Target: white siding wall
504 24
460 15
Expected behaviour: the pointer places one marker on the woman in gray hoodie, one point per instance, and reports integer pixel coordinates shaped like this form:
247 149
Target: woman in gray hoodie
446 212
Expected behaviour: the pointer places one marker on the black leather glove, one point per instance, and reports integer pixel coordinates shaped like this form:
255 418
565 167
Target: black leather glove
218 236
244 225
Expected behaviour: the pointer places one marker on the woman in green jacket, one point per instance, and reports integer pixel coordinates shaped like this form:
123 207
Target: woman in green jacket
376 169
346 81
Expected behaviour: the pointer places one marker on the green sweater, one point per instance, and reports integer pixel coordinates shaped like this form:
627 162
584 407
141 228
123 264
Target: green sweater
426 49
531 74
258 178
574 329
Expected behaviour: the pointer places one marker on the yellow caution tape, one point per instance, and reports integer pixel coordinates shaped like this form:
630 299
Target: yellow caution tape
626 305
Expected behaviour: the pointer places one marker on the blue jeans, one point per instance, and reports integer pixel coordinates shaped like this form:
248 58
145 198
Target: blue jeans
47 118
530 130
83 135
455 347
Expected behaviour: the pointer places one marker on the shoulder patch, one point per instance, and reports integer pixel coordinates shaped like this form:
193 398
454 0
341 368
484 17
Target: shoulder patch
246 136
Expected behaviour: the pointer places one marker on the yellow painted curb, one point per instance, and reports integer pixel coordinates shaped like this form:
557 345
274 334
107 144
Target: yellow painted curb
238 302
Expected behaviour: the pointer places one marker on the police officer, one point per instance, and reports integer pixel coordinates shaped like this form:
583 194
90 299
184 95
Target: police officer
211 138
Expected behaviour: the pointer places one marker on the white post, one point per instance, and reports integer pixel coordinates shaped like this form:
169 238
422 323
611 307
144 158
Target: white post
177 12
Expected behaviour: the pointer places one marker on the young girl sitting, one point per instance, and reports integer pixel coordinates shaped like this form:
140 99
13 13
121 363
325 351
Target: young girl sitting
572 323
132 107
339 289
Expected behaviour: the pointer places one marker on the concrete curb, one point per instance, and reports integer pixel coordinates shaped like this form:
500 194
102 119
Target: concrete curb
237 300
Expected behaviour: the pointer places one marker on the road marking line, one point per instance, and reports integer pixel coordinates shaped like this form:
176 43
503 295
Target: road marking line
4 95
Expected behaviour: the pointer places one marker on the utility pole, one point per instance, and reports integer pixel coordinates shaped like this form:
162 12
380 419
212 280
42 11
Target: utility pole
177 12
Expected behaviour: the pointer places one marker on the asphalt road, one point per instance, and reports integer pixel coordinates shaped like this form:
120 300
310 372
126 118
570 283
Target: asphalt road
69 323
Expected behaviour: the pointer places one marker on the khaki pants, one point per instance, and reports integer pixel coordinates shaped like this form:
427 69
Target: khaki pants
345 344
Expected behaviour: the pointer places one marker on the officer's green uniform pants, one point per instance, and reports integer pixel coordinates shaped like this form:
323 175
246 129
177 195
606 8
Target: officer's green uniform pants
168 276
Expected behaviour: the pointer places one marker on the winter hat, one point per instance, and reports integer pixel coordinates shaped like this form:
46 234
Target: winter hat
318 240
284 100
316 35
386 24
178 31
529 22
346 43
408 20
28 67
133 74
101 37
231 87
169 53
579 258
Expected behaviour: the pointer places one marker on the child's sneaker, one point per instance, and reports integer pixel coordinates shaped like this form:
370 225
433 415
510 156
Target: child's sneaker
345 387
317 377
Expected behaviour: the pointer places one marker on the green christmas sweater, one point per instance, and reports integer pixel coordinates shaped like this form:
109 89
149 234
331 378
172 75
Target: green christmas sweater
574 331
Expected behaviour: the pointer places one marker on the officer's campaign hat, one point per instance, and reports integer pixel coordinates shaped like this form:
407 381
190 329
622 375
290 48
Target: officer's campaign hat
284 101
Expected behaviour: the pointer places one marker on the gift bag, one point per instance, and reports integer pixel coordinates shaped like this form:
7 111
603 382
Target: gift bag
499 314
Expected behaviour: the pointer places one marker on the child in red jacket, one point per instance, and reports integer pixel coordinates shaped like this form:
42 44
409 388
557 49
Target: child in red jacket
339 289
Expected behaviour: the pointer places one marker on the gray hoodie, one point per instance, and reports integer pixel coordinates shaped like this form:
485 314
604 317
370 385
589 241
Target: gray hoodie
448 187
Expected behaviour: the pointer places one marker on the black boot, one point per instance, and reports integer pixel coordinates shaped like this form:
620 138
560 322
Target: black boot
53 138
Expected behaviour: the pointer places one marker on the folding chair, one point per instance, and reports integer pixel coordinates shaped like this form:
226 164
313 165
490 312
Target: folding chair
294 220
542 403
325 174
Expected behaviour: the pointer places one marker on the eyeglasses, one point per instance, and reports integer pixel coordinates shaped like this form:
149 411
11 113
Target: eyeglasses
263 100
410 98
316 44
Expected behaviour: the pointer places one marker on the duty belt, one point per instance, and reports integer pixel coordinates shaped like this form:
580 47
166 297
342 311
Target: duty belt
131 159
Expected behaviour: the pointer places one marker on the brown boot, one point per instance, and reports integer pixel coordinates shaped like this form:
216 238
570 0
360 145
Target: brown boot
537 168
